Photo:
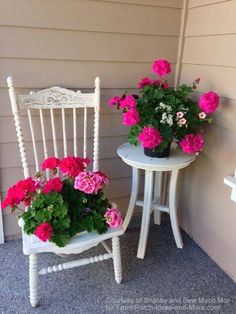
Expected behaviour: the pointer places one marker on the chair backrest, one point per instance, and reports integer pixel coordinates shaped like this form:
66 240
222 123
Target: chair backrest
56 123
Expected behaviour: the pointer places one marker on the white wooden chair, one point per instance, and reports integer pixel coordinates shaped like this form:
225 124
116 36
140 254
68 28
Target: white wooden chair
48 103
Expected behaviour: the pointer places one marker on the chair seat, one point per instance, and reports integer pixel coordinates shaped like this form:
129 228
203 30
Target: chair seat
79 243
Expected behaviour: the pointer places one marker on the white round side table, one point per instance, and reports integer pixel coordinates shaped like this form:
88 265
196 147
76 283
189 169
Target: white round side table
134 157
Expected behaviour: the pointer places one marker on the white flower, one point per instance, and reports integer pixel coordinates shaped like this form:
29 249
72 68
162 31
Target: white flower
169 120
168 108
164 116
202 115
182 122
179 114
162 105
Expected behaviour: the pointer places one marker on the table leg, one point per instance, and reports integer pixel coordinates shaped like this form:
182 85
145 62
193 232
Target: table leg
173 209
157 196
133 197
147 206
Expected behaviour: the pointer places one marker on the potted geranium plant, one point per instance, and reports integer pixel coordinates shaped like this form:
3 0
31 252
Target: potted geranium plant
63 202
162 115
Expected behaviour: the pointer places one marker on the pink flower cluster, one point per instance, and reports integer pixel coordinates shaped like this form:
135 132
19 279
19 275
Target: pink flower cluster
50 163
161 67
148 82
113 217
72 166
53 184
44 232
90 182
150 137
191 143
209 102
131 117
22 191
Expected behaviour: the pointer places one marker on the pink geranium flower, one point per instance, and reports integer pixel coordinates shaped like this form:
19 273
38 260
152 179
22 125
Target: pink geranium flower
191 143
131 117
161 67
22 191
114 101
72 166
113 217
44 232
128 102
150 137
50 163
53 184
90 182
208 102
146 81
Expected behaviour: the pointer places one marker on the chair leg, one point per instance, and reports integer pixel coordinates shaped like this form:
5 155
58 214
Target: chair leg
117 259
34 279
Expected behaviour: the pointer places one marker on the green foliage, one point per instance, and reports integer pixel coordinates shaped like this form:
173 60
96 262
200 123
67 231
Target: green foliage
68 212
150 108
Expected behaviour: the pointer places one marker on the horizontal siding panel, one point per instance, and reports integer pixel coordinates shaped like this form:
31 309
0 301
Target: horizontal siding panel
10 156
106 94
44 73
33 43
213 168
218 247
224 116
110 126
91 16
155 3
210 50
205 20
199 3
220 79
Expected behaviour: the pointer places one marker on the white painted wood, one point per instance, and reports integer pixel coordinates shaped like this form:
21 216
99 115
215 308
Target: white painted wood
231 181
75 263
34 279
147 205
75 132
64 131
54 132
45 149
33 140
117 259
133 197
52 99
157 195
1 225
173 209
96 123
134 156
20 138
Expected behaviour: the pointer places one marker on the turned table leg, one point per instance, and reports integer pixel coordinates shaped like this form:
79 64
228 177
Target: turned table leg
173 209
157 195
147 206
133 197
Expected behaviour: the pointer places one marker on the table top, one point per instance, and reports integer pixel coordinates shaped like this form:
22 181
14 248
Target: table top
134 156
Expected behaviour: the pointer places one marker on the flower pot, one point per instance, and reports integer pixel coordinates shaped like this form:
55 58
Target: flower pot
152 153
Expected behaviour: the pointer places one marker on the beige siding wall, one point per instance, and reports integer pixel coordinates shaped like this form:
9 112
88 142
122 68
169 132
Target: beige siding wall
68 43
207 213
